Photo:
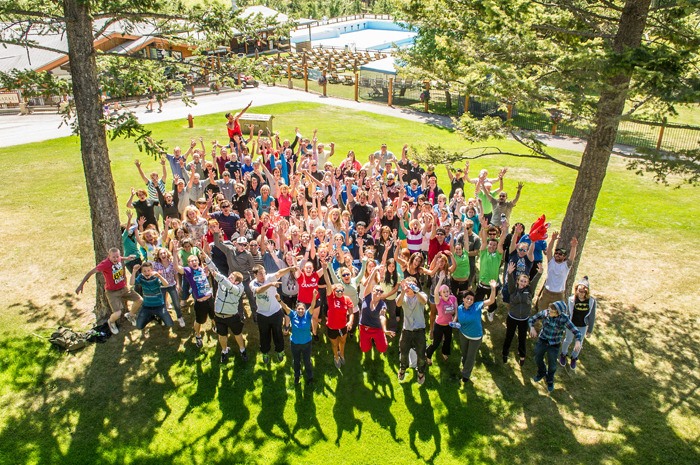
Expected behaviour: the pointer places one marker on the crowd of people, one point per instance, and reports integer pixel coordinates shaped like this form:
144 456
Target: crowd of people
312 239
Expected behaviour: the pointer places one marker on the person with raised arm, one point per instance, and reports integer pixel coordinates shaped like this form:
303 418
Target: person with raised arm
269 310
412 301
117 291
554 322
559 261
471 330
490 258
153 307
373 316
233 125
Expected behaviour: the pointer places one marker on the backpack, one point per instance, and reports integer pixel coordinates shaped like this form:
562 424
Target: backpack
99 333
67 340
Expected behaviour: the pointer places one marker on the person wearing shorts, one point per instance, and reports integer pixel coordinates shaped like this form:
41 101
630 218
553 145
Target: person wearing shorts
226 315
339 320
116 290
202 292
373 320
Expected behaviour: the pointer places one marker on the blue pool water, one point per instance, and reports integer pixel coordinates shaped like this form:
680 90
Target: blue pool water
363 34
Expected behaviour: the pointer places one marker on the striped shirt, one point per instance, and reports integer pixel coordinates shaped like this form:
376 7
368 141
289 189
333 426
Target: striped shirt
414 241
152 193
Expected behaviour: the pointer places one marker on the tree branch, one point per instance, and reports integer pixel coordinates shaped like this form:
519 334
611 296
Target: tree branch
560 30
540 152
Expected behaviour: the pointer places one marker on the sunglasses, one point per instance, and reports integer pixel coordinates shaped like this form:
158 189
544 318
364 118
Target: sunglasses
345 275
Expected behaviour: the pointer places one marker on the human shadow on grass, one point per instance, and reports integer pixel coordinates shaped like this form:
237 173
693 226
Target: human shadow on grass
307 418
630 378
367 387
423 425
113 400
273 398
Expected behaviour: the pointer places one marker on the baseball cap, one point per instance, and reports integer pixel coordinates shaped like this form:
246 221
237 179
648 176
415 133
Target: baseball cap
241 240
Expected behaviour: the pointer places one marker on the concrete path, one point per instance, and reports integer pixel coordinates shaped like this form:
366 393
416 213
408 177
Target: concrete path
16 129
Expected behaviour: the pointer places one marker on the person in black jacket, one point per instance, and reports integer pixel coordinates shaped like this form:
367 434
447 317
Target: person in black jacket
521 295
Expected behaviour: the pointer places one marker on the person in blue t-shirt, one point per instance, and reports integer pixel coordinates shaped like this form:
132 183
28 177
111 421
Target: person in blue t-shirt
153 303
301 320
471 331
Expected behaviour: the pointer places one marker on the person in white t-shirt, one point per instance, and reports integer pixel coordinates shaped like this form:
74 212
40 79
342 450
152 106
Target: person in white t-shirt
558 266
270 314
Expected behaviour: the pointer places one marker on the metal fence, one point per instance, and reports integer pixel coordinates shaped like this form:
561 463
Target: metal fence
376 87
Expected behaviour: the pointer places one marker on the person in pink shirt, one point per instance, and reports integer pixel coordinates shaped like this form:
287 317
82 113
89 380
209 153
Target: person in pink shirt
446 304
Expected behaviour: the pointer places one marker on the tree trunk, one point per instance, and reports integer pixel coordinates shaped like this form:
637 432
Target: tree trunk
596 156
102 197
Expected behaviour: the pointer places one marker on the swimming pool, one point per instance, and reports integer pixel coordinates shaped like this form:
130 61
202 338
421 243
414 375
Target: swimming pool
362 34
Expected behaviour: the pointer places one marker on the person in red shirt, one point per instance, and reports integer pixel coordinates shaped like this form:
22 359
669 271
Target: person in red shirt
437 242
339 321
114 273
308 282
233 126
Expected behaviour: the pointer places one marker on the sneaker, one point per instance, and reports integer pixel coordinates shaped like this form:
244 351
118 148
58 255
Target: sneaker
198 342
505 359
489 316
244 355
429 362
421 378
181 321
401 375
280 356
465 381
255 317
337 363
562 360
550 386
342 360
521 362
113 327
573 363
224 357
130 318
538 378
316 338
266 358
297 380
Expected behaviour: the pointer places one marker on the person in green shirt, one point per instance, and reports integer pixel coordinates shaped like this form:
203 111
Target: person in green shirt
460 277
490 258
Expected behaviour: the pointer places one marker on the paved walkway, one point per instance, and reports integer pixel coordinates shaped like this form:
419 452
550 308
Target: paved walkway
16 129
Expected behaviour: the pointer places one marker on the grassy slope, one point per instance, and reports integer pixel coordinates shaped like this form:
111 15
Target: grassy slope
139 399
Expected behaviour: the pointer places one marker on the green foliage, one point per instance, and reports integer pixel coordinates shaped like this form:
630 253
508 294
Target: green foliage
558 56
34 83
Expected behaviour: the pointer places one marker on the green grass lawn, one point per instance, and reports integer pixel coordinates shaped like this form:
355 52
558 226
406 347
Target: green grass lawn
155 398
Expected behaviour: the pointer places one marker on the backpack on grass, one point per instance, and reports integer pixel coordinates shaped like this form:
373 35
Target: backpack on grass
67 340
99 333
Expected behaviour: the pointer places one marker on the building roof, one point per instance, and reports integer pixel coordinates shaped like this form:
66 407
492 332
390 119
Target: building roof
40 59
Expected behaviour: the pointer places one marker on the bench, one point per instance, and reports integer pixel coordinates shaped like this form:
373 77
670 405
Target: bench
259 121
